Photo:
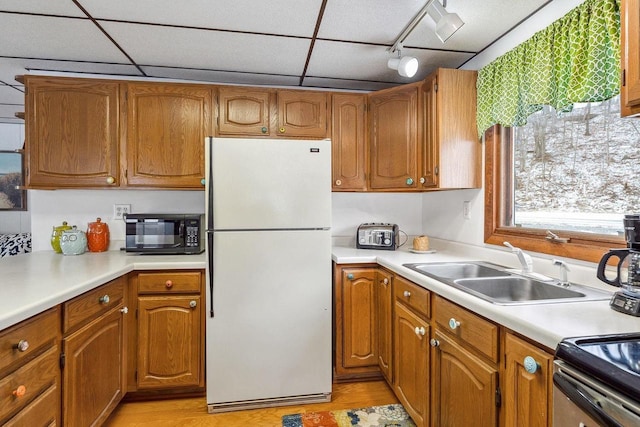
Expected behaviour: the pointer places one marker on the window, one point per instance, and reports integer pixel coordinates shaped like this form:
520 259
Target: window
574 174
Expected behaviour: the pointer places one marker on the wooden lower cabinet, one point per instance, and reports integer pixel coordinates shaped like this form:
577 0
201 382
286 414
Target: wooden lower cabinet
168 337
411 362
527 393
464 387
355 323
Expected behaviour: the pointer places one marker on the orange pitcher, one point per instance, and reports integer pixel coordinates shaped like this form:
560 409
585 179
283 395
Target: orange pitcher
98 236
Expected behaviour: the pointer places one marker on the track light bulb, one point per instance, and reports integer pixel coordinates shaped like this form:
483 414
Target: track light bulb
407 66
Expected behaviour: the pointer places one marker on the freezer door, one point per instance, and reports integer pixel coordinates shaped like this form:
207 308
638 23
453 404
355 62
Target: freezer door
270 184
271 334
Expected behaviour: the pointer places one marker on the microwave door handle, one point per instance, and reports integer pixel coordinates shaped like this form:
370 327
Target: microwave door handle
210 255
582 400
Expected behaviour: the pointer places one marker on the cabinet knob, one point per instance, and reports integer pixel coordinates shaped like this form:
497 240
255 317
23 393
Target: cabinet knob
409 181
193 303
530 365
168 284
434 342
338 182
385 281
20 391
124 310
282 130
111 180
350 276
420 331
454 324
264 129
422 180
406 294
22 346
203 181
104 300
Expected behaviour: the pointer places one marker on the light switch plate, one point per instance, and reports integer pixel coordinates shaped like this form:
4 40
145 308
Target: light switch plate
120 210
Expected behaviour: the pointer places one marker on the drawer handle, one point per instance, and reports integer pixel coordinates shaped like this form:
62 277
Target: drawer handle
193 303
385 281
168 284
406 294
20 391
530 365
104 300
22 346
434 342
453 324
419 331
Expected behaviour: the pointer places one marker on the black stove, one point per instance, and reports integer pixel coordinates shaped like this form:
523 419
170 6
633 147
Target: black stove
612 359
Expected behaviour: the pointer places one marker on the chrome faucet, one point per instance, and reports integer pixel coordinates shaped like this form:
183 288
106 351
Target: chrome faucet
524 258
564 268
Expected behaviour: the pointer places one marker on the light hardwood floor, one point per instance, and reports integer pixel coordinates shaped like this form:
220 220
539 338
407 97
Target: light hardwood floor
193 411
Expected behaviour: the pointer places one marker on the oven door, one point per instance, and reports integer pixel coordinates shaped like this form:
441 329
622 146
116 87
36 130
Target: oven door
155 235
580 401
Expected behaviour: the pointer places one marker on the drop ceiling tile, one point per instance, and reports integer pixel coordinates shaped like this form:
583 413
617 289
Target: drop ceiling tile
221 77
372 21
55 38
13 95
212 50
289 17
369 62
63 8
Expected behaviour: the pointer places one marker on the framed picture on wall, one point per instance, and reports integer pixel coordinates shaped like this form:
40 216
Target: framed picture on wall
13 197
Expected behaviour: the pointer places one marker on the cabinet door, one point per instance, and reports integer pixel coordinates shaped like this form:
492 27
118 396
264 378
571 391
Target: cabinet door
244 111
93 374
348 142
72 133
630 44
170 341
393 120
411 362
384 320
302 114
166 129
430 146
527 395
464 387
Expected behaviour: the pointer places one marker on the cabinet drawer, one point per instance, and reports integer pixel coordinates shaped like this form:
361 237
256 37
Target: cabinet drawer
90 305
31 379
473 330
30 335
41 412
178 282
413 296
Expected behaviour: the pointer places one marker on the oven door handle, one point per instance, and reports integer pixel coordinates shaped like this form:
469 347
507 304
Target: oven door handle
582 400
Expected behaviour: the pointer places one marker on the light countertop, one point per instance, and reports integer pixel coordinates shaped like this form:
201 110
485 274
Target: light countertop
32 283
546 324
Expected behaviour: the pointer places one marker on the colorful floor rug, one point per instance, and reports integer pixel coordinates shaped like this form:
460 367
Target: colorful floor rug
373 416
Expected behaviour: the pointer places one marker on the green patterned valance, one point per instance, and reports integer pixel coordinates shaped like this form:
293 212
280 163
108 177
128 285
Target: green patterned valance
575 59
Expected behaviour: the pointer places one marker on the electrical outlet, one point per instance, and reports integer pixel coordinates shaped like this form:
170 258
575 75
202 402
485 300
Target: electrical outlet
120 210
466 210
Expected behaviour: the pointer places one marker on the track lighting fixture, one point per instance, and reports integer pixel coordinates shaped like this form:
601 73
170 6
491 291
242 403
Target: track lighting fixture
407 66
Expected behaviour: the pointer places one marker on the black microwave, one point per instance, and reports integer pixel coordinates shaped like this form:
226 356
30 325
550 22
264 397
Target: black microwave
164 233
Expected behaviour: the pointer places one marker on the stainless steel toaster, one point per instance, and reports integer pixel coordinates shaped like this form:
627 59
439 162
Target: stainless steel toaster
377 235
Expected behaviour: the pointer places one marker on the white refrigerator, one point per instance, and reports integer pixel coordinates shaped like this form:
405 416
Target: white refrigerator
268 327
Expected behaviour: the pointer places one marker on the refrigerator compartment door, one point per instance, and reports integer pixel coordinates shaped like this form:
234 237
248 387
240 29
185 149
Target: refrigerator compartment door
271 334
270 184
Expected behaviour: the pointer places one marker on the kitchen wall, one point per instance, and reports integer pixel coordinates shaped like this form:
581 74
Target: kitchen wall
12 138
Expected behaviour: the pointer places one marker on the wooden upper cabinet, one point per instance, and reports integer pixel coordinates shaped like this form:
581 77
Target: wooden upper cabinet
630 57
348 142
244 111
302 114
394 135
451 151
72 132
166 128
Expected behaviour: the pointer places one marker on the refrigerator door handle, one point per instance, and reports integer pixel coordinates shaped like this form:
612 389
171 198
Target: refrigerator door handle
210 253
209 186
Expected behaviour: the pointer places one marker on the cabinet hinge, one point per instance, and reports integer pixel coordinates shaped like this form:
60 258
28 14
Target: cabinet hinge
624 77
136 313
435 87
435 170
62 360
498 398
135 375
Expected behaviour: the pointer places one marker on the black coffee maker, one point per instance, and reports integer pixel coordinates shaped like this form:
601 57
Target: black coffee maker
628 269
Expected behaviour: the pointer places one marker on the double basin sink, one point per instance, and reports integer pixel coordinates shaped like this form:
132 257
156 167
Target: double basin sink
498 285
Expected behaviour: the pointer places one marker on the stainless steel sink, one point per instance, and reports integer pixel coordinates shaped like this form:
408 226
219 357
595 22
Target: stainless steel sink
493 283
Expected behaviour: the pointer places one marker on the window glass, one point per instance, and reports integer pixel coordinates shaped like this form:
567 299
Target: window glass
573 171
